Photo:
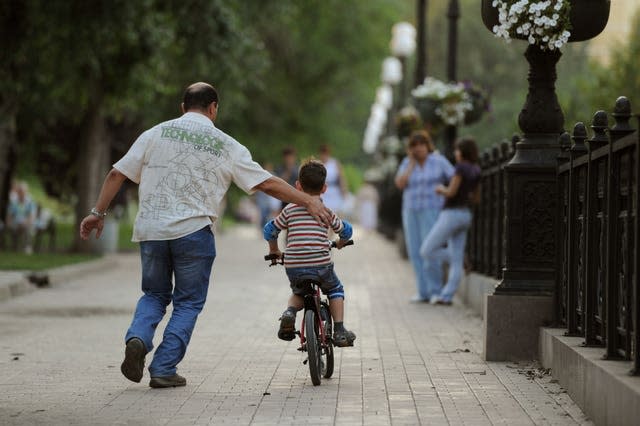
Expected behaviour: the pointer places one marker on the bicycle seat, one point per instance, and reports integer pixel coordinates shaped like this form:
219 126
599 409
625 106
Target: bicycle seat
305 283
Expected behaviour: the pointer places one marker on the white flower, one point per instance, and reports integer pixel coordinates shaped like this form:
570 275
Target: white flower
543 22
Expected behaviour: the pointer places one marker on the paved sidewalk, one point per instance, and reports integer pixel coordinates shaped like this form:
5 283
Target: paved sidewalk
61 348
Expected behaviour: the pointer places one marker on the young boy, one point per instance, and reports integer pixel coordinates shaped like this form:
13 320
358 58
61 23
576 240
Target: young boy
307 253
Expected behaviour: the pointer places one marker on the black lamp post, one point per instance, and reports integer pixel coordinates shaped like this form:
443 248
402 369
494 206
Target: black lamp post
453 14
422 60
531 210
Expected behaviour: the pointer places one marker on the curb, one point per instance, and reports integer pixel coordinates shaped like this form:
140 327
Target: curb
14 284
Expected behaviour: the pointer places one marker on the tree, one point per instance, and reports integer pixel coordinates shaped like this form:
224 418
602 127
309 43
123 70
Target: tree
14 30
89 53
324 60
118 65
619 78
287 73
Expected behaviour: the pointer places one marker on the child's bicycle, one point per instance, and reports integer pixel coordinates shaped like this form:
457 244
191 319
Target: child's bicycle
316 330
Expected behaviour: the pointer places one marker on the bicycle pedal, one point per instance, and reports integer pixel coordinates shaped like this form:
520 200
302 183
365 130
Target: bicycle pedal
305 361
301 349
297 333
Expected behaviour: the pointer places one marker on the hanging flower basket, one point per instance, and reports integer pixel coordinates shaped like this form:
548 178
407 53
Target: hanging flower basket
548 24
449 104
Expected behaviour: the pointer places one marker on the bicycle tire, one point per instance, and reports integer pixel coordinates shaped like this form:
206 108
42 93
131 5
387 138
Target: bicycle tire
328 365
313 347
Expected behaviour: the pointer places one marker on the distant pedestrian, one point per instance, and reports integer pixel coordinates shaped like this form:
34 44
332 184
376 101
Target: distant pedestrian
44 225
288 169
184 168
334 197
420 172
21 217
455 219
367 202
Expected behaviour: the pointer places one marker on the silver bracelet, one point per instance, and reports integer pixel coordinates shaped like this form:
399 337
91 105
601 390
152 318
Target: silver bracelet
96 213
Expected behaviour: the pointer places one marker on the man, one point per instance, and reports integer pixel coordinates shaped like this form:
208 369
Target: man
184 168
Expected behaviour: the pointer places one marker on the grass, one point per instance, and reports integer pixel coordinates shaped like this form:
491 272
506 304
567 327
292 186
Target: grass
65 234
37 262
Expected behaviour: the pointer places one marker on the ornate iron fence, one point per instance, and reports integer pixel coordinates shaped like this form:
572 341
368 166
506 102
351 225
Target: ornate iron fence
598 231
486 247
598 289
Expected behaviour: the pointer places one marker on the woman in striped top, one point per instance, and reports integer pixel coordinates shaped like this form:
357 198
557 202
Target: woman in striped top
308 253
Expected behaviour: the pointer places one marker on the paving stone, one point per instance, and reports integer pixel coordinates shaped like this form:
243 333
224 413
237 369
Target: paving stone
61 348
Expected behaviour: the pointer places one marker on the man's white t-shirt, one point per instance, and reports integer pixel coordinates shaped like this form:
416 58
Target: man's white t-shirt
184 167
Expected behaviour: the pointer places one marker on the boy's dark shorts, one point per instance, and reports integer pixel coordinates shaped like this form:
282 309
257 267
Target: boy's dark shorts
329 282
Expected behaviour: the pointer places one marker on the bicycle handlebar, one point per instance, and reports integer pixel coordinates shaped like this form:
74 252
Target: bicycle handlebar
348 243
271 256
274 258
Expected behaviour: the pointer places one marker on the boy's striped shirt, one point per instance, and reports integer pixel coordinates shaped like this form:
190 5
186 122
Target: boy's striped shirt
307 240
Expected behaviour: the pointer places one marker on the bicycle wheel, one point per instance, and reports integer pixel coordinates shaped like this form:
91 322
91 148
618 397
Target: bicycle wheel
327 356
313 347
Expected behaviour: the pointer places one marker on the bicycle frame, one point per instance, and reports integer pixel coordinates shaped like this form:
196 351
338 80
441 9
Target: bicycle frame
312 302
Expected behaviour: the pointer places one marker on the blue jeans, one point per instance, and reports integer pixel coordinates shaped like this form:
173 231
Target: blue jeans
417 224
329 282
189 260
450 228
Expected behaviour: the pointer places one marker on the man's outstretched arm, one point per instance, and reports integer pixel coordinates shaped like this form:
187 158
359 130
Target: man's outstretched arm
281 190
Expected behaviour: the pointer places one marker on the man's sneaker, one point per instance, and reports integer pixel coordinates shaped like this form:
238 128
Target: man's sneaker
168 381
343 338
287 329
133 364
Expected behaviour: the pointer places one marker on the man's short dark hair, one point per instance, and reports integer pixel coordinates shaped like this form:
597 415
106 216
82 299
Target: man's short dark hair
312 176
199 96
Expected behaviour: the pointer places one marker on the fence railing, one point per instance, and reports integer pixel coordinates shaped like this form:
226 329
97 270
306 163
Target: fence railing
486 247
598 242
598 289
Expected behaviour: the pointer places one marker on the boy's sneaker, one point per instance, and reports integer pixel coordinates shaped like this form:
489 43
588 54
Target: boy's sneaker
343 338
287 329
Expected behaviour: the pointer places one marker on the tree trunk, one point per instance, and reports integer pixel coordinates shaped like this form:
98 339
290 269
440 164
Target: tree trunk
93 164
8 112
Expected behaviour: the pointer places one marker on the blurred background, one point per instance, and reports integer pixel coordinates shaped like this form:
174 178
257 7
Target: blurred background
80 80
